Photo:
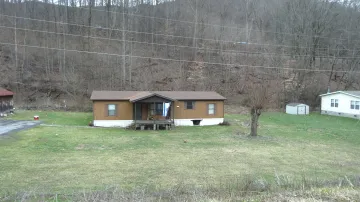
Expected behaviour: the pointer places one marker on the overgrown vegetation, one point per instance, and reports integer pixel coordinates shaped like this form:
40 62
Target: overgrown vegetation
225 123
236 189
307 156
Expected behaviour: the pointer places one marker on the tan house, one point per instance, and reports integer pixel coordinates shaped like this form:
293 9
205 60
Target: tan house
181 108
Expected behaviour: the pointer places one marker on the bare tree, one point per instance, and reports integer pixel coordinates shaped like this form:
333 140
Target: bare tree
256 101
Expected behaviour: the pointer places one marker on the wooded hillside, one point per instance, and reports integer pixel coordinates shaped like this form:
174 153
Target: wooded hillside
52 51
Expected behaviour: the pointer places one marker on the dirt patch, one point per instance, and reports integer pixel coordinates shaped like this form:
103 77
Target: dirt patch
90 147
80 147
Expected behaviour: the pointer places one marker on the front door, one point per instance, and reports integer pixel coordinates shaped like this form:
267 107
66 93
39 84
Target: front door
138 114
301 110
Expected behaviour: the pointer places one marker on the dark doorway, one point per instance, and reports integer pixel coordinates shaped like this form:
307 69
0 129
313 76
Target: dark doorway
138 111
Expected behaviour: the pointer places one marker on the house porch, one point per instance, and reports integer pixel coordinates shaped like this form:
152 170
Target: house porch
153 112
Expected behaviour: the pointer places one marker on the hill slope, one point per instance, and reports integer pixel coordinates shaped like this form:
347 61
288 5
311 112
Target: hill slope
50 53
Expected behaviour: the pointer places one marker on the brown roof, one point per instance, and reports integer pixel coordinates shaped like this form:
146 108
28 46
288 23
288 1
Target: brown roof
144 95
140 95
4 92
174 95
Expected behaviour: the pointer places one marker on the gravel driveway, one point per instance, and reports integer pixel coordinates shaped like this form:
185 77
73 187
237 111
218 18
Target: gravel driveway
8 126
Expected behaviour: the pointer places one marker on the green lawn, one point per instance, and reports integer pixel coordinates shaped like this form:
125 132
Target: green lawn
72 158
55 117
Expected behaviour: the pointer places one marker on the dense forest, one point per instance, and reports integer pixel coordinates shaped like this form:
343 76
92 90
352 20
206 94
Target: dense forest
54 53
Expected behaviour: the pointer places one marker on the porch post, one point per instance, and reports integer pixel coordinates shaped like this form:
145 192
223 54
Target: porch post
154 112
135 114
173 112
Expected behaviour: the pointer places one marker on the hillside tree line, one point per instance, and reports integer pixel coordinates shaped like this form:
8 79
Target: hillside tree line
53 52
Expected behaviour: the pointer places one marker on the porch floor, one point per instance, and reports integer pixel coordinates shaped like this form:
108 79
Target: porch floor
154 124
153 121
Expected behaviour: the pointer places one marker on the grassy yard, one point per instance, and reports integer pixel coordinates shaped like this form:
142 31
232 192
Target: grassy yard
61 159
55 117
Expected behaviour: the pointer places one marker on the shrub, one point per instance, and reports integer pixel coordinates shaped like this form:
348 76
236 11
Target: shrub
224 123
131 127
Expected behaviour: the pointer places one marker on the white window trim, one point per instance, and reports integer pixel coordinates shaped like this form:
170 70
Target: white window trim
214 109
334 103
108 109
355 104
352 104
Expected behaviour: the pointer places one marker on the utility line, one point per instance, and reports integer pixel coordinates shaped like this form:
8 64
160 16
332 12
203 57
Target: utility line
176 36
181 46
188 61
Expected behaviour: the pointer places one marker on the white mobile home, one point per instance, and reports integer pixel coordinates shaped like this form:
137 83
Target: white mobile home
341 103
297 108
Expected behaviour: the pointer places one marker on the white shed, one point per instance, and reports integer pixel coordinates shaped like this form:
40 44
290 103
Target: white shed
297 108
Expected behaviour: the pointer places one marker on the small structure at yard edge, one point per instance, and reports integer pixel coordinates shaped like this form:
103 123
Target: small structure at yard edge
155 109
6 102
297 109
341 103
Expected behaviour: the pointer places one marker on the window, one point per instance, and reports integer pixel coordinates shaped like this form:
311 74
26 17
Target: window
189 105
156 109
355 105
211 109
159 108
334 103
111 110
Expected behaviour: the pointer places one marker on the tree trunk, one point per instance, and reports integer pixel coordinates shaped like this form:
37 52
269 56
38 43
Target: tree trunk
255 114
195 30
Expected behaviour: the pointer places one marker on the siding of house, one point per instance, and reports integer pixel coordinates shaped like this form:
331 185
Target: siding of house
124 110
344 105
200 111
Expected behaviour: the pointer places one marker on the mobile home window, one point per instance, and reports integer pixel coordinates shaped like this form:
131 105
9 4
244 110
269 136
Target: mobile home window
352 105
357 105
111 110
189 105
334 103
211 109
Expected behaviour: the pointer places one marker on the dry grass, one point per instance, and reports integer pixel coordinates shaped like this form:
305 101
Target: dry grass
292 152
239 192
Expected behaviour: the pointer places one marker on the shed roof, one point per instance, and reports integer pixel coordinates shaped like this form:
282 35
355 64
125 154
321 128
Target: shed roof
350 93
174 95
294 104
4 92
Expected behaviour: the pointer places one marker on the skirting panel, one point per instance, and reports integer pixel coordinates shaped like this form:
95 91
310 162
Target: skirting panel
203 122
355 116
178 122
113 123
